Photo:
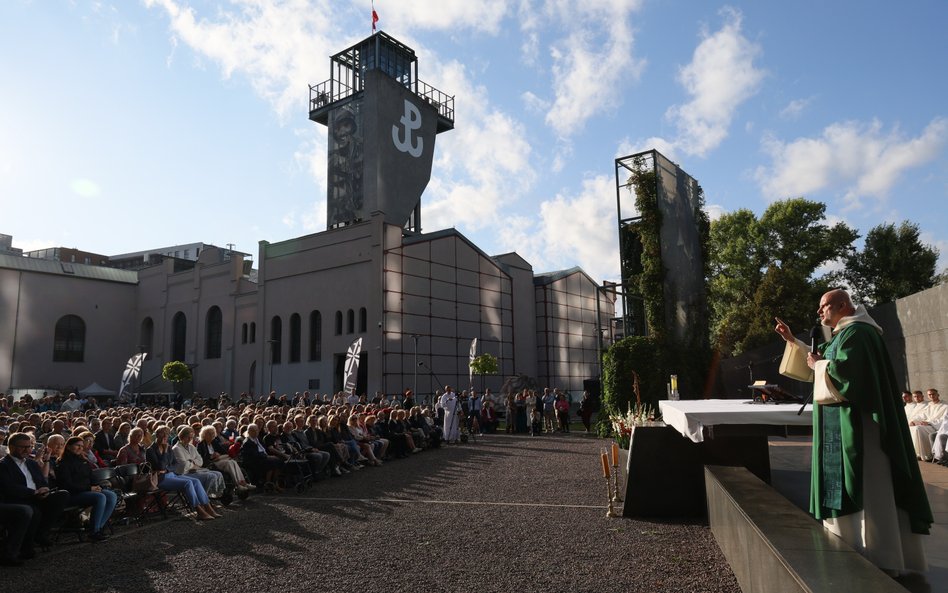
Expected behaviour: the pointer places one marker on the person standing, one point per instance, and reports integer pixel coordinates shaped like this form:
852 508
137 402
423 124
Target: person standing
451 407
861 438
586 410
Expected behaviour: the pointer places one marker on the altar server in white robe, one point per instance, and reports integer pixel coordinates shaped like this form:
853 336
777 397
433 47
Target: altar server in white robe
451 406
924 424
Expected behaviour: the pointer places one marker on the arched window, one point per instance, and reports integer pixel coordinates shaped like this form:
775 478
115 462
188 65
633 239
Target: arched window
350 321
295 337
213 328
179 336
253 332
315 336
147 335
243 334
338 323
69 342
276 336
363 320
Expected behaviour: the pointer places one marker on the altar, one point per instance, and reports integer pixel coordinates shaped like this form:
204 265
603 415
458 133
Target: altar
665 464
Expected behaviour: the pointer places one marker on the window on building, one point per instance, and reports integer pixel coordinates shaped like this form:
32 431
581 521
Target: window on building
276 339
338 323
350 321
315 336
295 337
363 320
243 334
213 328
179 336
147 335
253 332
187 253
69 342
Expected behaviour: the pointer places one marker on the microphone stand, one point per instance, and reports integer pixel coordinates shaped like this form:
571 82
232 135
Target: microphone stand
813 334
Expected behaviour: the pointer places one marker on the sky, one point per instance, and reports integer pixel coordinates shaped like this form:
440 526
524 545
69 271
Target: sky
137 124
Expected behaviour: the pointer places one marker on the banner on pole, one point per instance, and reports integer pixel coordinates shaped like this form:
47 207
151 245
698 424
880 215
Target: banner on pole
352 366
131 372
473 355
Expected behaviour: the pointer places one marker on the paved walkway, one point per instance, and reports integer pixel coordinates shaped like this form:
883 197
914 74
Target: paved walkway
790 465
508 514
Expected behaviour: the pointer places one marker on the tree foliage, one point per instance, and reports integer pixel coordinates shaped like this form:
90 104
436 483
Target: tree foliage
485 364
175 372
762 268
892 264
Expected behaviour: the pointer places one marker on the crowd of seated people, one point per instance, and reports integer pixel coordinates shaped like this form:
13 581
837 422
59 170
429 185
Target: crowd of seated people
50 456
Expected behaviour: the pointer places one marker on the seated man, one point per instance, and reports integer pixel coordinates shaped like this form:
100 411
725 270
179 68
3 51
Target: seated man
16 519
923 425
22 482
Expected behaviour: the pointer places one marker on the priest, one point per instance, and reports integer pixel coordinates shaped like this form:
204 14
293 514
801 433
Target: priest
451 407
865 483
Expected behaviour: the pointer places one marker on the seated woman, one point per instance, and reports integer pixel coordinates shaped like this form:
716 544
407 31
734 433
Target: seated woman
398 425
263 467
88 453
318 439
369 425
424 436
188 462
134 452
213 451
362 440
161 459
73 473
121 435
335 438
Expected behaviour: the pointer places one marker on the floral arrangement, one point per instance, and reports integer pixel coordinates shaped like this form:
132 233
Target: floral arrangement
637 415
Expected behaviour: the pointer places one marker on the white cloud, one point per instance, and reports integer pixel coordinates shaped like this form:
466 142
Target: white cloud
795 108
572 230
720 77
278 46
85 188
533 103
447 15
587 77
859 159
715 211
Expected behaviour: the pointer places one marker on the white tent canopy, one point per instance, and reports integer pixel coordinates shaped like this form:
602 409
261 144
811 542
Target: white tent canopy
97 390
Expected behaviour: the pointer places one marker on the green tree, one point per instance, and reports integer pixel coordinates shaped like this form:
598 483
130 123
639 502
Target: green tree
892 264
762 268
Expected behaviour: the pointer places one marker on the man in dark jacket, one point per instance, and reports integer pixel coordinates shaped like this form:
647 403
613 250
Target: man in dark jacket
22 482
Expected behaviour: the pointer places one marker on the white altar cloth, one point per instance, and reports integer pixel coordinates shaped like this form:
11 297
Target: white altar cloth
689 417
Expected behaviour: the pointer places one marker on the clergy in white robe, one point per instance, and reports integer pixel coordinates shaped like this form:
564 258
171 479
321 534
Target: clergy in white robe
924 424
451 406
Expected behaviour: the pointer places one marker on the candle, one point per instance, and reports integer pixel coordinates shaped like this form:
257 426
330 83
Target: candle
605 465
615 454
674 382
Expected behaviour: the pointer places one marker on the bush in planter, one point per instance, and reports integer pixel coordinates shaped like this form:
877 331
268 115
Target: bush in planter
176 372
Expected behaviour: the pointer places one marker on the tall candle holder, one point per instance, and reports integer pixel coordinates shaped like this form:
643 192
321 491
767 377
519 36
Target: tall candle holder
610 512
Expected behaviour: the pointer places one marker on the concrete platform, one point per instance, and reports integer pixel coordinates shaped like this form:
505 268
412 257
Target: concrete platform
790 475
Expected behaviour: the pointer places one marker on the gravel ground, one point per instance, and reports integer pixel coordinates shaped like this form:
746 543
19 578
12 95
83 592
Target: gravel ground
508 514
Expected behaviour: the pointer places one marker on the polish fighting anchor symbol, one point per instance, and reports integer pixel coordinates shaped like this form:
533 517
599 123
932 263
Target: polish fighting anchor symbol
410 121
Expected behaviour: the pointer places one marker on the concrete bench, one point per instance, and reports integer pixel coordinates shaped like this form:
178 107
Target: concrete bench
774 547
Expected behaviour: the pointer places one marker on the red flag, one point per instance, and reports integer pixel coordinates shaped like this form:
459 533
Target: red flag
375 19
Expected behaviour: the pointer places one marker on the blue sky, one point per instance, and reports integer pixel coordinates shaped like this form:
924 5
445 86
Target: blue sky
137 124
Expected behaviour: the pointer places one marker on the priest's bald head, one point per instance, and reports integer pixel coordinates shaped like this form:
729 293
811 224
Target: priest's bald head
834 305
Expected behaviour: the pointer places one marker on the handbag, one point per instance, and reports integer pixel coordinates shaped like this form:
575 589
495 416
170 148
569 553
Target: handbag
145 480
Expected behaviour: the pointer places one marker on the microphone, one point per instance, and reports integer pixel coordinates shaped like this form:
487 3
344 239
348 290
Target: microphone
815 333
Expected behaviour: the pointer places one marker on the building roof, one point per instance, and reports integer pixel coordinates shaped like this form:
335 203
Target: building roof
46 266
550 277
